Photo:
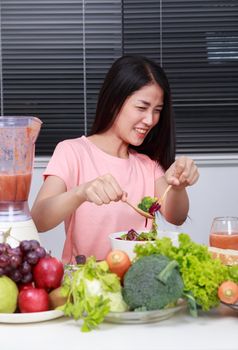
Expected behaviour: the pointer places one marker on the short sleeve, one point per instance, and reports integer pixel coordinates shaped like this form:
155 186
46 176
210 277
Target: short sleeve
63 164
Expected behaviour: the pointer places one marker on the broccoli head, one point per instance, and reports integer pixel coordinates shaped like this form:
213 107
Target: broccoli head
152 282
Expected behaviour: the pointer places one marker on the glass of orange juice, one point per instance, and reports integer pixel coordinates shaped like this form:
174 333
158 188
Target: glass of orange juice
224 232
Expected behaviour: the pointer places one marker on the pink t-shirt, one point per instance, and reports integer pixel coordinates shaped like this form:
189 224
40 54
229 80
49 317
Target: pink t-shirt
77 161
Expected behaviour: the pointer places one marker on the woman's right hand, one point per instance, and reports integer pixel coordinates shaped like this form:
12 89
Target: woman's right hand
102 190
54 203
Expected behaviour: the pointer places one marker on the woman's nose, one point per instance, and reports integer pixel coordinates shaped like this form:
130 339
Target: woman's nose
148 118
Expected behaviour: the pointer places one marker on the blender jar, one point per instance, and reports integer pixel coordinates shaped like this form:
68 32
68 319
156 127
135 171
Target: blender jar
17 149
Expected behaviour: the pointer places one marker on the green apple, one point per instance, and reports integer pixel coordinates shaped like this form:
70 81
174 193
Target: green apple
8 295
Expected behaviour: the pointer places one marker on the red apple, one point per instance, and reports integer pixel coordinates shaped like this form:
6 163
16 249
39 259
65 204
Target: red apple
48 273
23 286
33 300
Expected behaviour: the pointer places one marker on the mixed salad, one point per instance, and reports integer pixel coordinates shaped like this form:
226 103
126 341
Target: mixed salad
133 235
149 205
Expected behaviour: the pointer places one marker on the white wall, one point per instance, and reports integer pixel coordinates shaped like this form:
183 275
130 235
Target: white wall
215 194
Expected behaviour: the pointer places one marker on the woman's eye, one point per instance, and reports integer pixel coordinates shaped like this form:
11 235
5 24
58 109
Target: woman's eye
141 108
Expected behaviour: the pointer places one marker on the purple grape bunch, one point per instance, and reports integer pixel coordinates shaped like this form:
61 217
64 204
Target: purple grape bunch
17 263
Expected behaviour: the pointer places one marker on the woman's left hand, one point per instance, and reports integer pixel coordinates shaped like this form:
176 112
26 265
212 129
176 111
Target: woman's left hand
183 172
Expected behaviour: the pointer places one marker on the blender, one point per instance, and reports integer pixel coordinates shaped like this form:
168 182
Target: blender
17 150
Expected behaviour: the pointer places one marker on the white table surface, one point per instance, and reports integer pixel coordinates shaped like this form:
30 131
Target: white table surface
216 330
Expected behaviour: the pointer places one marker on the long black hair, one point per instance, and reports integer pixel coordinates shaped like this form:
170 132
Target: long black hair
127 75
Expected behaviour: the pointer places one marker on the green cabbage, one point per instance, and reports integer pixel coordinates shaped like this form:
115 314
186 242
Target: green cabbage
92 292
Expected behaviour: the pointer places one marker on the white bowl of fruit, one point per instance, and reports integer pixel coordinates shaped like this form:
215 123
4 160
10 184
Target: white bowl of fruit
28 276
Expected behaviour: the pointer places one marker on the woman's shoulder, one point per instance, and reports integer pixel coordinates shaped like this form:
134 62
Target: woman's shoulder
72 144
73 141
70 149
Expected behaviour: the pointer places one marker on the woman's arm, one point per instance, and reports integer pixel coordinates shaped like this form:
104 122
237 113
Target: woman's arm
182 173
54 204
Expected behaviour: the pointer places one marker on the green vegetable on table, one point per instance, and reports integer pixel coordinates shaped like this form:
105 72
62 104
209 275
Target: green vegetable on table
92 292
201 274
152 282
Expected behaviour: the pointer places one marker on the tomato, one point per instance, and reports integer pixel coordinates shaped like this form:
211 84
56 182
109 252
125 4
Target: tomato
119 262
228 292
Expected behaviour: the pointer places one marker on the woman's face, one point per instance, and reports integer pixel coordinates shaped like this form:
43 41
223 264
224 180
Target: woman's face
139 114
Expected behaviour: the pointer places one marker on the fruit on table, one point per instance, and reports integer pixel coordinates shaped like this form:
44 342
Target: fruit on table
22 286
48 273
33 300
8 295
27 274
56 298
17 263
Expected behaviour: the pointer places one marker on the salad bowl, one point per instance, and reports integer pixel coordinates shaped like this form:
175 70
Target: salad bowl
118 243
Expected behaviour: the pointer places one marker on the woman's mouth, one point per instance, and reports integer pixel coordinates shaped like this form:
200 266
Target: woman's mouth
141 132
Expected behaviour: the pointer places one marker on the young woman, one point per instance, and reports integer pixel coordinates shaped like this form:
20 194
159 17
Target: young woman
129 154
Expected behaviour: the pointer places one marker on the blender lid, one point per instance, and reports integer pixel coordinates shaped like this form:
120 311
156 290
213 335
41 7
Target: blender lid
32 124
18 121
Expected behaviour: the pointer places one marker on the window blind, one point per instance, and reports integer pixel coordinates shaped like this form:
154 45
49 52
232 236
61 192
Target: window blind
198 48
55 53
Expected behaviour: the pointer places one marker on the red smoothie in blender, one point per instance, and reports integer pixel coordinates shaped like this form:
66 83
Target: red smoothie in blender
18 135
14 188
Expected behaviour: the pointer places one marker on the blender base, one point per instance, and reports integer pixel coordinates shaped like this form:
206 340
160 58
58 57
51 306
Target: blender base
20 230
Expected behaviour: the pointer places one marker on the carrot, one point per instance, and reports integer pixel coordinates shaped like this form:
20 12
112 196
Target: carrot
119 262
228 292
